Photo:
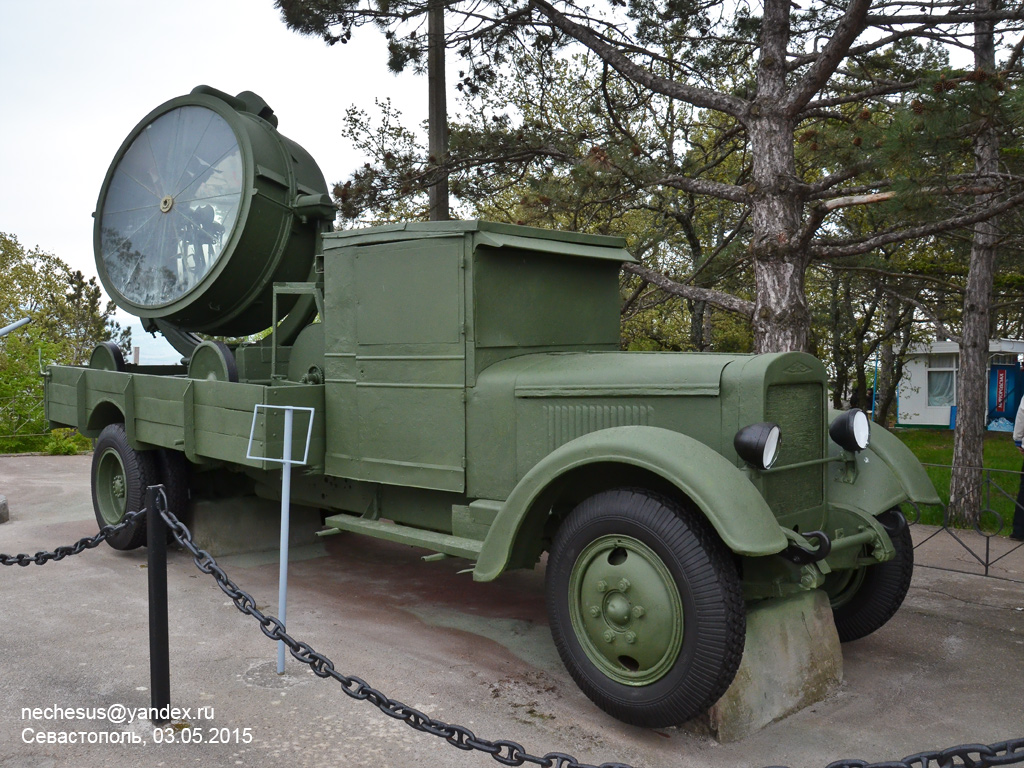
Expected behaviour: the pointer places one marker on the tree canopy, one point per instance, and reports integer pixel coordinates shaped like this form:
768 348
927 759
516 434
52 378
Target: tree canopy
69 318
785 115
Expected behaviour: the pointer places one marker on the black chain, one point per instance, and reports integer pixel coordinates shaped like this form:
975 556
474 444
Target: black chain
509 752
39 558
967 755
502 750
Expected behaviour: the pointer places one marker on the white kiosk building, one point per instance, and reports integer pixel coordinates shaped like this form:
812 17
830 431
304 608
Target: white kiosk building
927 391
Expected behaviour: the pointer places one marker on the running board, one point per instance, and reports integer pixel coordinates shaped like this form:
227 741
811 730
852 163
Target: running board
404 534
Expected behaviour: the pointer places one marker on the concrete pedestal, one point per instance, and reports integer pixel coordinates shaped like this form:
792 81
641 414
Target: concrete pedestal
5 513
792 659
247 524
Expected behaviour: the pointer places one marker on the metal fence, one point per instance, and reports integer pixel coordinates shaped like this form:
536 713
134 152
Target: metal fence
984 548
22 417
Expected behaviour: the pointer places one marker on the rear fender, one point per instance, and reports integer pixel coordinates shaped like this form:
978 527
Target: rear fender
717 487
103 413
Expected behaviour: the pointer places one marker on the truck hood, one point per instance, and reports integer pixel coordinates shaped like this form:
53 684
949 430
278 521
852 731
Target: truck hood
612 374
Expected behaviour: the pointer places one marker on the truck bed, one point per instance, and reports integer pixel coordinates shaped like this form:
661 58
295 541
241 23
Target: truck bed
206 420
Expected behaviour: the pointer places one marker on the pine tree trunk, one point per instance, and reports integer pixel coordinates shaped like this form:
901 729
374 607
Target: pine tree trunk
885 383
697 311
437 111
838 359
972 391
781 319
890 366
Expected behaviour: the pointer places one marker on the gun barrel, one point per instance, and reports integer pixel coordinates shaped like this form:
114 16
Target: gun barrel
14 326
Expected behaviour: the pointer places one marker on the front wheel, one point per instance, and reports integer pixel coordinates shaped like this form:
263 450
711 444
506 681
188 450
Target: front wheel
120 476
865 598
645 607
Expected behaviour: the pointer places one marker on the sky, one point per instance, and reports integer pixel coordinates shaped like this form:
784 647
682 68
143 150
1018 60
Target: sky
77 75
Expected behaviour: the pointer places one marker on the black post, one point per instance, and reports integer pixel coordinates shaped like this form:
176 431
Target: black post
159 653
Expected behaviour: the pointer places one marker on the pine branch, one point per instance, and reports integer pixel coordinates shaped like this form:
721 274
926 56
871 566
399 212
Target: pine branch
819 187
910 233
832 55
720 248
699 97
899 275
721 299
953 18
880 197
932 318
707 187
887 89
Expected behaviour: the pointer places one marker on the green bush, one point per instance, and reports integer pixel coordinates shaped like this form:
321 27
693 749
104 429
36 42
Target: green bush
66 442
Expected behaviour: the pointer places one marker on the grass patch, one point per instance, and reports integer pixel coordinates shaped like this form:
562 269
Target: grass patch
935 446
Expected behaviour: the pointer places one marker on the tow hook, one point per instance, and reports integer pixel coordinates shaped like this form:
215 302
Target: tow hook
801 556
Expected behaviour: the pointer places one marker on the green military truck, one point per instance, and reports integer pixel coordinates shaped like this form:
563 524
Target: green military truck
469 397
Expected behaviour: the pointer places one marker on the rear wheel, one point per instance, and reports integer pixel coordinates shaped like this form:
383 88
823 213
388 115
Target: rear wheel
173 471
866 598
120 476
174 475
645 607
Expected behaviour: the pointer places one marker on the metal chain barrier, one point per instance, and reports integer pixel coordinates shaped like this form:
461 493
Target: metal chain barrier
503 751
41 558
967 755
509 752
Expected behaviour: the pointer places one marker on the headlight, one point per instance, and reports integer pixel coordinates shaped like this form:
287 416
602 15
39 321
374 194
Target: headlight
851 430
758 444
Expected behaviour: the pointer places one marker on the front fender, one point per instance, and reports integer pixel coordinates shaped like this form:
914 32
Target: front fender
717 487
909 473
888 473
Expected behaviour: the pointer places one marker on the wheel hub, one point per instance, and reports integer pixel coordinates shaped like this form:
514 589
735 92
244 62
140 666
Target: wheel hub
841 586
111 487
117 486
618 610
626 610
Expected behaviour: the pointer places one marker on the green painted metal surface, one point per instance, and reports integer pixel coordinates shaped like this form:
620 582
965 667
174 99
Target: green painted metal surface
468 385
626 610
466 376
715 486
456 546
111 487
904 466
468 397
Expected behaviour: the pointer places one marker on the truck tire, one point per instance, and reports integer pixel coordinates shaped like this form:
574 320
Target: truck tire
173 473
120 476
645 607
866 598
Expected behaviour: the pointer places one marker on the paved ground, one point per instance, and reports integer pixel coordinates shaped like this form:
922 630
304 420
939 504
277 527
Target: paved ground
948 669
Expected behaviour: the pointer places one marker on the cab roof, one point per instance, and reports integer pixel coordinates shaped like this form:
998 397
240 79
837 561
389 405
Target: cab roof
492 234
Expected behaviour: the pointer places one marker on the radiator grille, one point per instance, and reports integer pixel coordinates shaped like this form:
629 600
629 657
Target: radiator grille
567 422
797 409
